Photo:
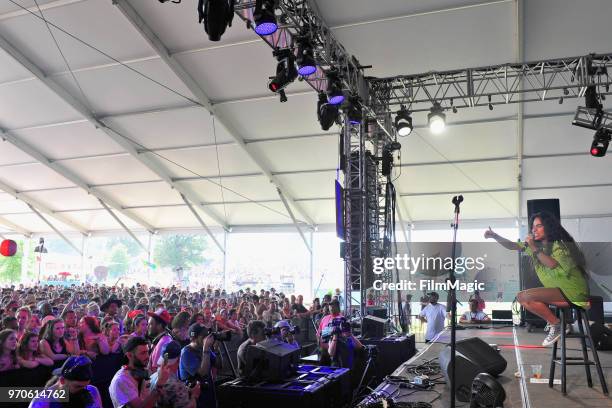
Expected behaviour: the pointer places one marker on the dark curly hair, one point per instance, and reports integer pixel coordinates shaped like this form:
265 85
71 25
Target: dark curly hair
554 231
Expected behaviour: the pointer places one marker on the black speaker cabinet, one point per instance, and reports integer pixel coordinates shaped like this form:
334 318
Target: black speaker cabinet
474 356
377 311
550 205
373 327
392 352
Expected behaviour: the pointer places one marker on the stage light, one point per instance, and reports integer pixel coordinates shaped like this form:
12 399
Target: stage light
403 122
286 71
326 112
217 15
305 59
354 110
264 18
335 96
490 104
601 140
436 119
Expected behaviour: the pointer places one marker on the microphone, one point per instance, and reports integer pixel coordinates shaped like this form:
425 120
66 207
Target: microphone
457 200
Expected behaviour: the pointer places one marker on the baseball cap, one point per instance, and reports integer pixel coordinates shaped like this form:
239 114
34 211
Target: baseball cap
134 313
173 350
161 315
75 368
282 324
196 330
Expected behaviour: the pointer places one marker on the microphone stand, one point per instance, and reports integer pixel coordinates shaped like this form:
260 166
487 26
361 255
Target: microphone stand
452 294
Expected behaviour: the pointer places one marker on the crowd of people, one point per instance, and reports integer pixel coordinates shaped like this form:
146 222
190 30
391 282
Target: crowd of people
160 346
161 338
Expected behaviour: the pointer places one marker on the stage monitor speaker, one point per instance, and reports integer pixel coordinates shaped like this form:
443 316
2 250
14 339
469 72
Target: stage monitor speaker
474 356
550 205
376 311
392 352
373 327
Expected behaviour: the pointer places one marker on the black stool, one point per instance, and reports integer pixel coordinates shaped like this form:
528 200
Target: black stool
581 316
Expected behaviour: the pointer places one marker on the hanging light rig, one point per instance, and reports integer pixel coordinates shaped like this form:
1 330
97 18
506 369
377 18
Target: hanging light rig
216 15
436 119
286 72
305 58
403 122
264 17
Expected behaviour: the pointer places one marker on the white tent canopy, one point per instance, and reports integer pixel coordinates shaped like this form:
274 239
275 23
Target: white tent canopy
55 159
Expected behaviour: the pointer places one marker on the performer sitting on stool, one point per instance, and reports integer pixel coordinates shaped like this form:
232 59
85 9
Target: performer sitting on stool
559 264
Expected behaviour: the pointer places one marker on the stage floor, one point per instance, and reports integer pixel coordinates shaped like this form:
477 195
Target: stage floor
521 349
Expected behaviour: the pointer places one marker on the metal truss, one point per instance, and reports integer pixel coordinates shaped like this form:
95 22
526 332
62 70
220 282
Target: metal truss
554 79
592 119
301 18
355 255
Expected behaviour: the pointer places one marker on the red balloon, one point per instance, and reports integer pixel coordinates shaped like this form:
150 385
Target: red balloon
8 247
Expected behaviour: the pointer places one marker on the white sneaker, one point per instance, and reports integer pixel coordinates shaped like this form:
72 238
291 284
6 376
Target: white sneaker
547 327
553 335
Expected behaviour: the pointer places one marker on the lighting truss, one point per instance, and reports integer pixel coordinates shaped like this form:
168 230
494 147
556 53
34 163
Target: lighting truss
301 18
592 119
503 84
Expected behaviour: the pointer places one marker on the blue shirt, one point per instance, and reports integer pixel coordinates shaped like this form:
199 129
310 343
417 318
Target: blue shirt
190 363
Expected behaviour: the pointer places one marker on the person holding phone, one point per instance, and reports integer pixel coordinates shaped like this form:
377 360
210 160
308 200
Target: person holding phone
560 266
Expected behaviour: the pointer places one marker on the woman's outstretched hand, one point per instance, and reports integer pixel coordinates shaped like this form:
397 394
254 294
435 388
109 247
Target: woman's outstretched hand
489 233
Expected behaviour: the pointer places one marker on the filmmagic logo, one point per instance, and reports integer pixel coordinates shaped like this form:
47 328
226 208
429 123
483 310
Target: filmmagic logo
413 265
428 284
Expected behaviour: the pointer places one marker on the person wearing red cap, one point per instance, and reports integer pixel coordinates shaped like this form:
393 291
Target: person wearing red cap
158 331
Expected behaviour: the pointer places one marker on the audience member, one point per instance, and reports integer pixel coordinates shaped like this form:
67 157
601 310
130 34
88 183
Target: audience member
130 386
74 377
174 393
256 333
433 314
52 343
158 333
28 354
8 350
197 361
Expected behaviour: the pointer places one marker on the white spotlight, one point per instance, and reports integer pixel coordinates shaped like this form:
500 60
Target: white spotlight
436 119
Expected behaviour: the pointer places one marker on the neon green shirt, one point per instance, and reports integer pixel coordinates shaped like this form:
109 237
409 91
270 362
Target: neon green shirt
567 275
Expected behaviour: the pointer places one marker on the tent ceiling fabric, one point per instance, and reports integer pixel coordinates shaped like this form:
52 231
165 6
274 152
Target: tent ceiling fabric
395 36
